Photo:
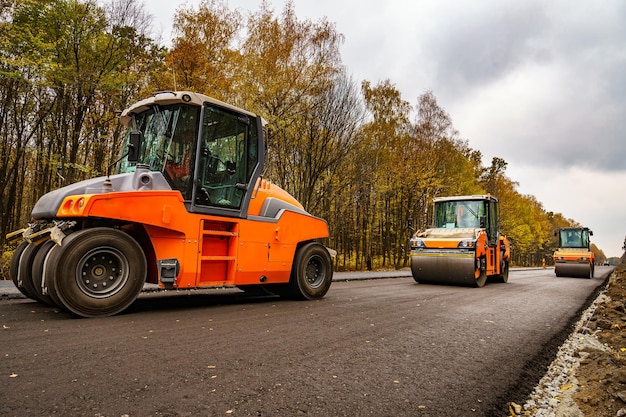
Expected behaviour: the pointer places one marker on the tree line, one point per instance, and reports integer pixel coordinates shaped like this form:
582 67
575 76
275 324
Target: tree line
354 153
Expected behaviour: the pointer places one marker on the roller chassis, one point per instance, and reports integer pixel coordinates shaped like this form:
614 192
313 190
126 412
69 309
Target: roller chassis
574 258
464 267
455 254
97 267
95 243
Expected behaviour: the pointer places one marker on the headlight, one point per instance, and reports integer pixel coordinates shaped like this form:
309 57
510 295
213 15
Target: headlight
466 244
417 243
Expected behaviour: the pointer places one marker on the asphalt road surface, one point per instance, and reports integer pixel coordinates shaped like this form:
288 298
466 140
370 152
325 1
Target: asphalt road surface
382 347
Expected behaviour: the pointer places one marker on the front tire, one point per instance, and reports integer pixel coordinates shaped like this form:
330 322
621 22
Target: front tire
97 272
312 272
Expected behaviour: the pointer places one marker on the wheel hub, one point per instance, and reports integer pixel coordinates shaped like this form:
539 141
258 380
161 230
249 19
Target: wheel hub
315 272
102 272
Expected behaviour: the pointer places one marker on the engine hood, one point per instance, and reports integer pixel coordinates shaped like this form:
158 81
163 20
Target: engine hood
450 233
140 180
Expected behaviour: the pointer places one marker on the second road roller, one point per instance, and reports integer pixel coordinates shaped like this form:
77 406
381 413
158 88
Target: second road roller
464 247
573 258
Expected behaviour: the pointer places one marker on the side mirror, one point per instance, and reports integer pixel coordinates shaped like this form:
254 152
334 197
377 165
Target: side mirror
483 221
134 146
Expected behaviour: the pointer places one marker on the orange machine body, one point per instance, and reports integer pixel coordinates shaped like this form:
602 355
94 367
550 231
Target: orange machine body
212 250
187 208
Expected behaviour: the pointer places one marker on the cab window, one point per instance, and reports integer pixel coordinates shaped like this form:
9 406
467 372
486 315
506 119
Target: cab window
223 167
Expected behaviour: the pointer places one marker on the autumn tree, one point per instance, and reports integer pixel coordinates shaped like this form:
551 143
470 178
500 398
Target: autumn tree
351 155
204 55
522 218
24 56
493 176
288 68
444 164
378 164
66 67
327 135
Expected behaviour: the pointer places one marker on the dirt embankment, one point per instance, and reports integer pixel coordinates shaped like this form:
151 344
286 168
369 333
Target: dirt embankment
602 373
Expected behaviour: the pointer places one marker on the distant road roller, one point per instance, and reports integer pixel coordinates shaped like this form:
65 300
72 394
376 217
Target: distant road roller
573 258
464 247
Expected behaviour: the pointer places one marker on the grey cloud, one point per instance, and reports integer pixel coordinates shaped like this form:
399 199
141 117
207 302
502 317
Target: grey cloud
474 49
580 121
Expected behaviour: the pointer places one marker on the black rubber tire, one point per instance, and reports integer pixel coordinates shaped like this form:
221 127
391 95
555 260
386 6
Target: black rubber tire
97 272
482 279
14 268
503 276
26 267
37 273
23 272
311 273
49 271
505 272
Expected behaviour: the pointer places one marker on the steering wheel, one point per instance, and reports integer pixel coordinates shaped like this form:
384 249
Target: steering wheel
202 197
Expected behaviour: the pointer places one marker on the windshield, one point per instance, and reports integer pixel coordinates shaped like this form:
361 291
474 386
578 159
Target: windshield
574 238
451 214
168 142
165 131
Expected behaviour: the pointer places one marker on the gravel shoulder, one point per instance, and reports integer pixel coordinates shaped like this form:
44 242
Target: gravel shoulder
588 376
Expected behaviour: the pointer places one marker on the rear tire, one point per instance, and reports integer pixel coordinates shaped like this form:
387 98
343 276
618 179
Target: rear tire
503 276
505 272
97 272
37 273
312 272
49 266
24 268
14 268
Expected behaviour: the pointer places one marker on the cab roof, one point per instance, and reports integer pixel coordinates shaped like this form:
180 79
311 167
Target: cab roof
173 97
477 197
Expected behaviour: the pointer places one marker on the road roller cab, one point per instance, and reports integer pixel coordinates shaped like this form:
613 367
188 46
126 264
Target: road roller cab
464 247
187 208
573 258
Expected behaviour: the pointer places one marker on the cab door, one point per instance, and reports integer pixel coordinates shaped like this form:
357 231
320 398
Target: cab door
228 162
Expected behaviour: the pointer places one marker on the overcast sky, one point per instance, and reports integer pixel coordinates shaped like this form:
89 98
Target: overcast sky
540 84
